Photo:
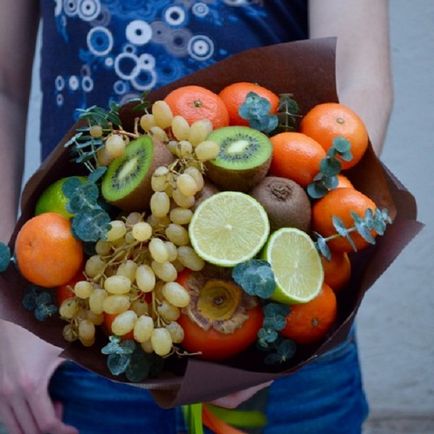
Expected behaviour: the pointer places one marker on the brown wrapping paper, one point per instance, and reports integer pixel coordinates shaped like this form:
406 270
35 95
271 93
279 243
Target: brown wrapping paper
306 69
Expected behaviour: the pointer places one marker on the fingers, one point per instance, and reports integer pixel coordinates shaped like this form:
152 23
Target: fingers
7 417
48 421
23 415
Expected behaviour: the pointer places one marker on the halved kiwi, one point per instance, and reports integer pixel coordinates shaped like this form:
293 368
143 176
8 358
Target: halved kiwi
127 182
244 158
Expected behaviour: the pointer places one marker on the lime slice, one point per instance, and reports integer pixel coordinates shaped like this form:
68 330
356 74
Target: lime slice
53 199
296 265
229 228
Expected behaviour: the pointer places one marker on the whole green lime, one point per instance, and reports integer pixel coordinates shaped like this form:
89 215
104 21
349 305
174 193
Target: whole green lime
54 200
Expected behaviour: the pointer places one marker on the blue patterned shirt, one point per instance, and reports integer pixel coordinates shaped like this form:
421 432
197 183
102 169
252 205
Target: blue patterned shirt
97 51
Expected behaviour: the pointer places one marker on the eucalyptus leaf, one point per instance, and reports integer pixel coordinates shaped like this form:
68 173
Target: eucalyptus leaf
330 166
70 186
316 190
347 156
118 363
364 232
339 226
91 226
341 144
272 359
330 182
5 257
139 366
267 335
97 174
84 198
286 349
323 248
255 277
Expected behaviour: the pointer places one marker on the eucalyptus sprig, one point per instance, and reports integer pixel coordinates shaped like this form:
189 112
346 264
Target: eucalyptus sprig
127 357
143 102
5 257
257 111
90 222
255 277
372 221
90 139
330 167
279 349
288 113
39 302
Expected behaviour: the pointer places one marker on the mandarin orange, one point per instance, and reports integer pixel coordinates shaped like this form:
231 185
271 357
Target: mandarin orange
340 203
326 121
47 253
195 102
337 271
309 322
296 156
235 94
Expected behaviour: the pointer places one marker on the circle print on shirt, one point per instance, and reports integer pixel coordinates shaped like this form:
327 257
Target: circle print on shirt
200 9
200 47
70 7
174 15
138 32
89 9
100 41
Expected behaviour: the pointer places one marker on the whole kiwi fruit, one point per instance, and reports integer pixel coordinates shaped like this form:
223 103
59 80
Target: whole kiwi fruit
285 202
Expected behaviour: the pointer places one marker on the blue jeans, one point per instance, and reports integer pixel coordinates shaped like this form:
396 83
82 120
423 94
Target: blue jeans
324 397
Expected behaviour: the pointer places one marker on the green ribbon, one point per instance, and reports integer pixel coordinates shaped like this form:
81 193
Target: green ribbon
237 418
193 418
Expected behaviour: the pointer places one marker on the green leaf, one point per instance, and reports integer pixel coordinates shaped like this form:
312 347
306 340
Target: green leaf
339 226
347 156
91 225
316 190
97 174
255 277
139 366
323 248
341 144
118 363
330 182
267 335
84 198
330 166
70 186
286 349
5 257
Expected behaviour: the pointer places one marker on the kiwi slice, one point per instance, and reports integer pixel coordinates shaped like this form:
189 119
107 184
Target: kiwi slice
244 158
127 182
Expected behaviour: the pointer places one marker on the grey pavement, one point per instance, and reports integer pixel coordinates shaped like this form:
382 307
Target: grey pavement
396 319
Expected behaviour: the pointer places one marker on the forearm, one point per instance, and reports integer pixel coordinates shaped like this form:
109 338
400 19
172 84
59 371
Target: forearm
363 73
12 136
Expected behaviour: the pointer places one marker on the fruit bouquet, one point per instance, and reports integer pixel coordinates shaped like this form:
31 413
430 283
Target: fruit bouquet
212 235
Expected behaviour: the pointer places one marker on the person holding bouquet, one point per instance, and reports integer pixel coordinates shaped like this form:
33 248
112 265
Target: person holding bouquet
97 51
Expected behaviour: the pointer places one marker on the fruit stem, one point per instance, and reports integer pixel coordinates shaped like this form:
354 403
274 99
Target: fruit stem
337 235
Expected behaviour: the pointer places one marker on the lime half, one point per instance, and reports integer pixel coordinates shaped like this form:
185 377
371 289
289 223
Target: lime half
229 228
53 199
296 265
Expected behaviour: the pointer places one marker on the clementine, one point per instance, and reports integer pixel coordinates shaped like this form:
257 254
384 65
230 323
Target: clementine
296 156
326 121
344 182
195 102
235 94
337 271
309 322
340 203
47 253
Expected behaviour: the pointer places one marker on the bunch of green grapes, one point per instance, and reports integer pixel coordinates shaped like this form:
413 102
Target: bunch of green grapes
187 142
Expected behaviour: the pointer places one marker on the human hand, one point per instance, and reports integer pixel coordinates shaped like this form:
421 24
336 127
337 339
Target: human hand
26 366
235 399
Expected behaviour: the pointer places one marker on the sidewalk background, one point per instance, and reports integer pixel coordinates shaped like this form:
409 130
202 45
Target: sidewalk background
396 320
